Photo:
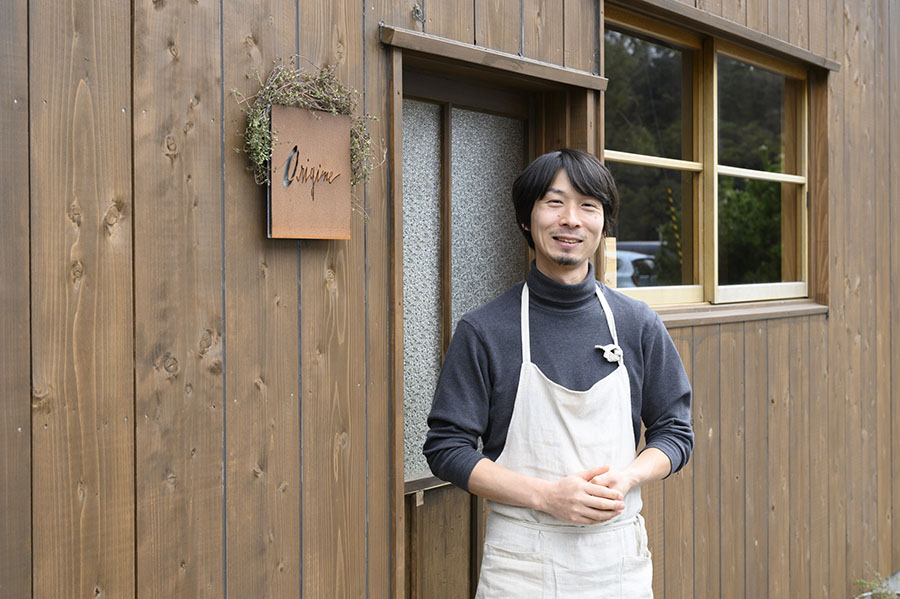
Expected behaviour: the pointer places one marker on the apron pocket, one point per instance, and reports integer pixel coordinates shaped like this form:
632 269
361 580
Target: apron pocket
506 573
637 577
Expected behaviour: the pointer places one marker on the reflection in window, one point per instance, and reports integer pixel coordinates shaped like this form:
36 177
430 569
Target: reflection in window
753 219
751 116
652 229
644 98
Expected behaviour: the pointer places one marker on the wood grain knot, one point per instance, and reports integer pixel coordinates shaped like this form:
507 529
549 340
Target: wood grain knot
73 212
211 350
113 216
168 364
259 383
257 471
283 486
171 479
330 281
173 50
171 151
40 401
77 272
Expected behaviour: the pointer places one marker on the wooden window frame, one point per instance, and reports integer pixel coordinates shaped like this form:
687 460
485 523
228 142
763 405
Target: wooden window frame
707 291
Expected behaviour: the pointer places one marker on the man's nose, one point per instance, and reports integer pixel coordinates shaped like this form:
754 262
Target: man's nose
569 216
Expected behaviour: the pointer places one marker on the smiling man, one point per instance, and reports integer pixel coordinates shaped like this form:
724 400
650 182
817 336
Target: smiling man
555 377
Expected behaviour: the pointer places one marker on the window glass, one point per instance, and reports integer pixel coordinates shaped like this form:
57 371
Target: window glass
645 97
653 227
753 219
488 250
421 272
751 116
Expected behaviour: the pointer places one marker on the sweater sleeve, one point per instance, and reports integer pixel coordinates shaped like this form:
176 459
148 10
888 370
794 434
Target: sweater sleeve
460 409
666 406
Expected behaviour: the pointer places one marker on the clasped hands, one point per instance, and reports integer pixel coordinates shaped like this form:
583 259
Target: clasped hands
588 497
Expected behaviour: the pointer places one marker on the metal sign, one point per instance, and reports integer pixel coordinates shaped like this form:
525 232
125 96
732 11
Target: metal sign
309 189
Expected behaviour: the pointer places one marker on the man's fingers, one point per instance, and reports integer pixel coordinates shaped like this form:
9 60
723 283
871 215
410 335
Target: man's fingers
601 490
596 471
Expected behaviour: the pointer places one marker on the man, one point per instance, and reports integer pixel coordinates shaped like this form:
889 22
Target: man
555 377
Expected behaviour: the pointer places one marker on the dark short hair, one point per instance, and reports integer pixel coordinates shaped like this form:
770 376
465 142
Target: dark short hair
588 176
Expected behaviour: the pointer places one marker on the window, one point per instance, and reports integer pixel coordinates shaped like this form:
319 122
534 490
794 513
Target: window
707 143
461 247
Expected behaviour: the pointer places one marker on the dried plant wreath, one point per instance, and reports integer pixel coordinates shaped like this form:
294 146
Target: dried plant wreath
316 89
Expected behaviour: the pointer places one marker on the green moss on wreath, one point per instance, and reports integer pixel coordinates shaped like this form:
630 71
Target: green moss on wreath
317 89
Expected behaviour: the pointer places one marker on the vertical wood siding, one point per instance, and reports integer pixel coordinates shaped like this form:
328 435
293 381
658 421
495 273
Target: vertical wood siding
178 300
263 555
15 350
210 410
81 299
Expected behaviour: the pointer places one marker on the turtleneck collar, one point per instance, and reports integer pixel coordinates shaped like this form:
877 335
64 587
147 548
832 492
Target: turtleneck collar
559 295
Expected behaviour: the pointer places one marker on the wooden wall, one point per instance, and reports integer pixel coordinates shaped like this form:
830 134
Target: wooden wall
190 410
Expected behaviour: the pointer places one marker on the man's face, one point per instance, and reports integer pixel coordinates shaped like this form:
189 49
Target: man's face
567 228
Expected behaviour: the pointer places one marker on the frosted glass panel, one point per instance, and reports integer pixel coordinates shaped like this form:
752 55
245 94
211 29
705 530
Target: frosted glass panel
488 250
421 273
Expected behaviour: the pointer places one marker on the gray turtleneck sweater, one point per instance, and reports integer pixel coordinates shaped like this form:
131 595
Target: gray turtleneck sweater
478 382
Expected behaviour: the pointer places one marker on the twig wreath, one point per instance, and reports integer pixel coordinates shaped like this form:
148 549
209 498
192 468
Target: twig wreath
317 89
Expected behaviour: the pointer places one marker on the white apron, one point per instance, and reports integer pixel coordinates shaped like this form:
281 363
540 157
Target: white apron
554 432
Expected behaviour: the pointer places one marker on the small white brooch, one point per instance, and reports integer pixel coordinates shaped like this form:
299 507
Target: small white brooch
612 352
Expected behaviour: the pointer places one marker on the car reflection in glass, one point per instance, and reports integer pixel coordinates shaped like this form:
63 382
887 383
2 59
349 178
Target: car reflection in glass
634 269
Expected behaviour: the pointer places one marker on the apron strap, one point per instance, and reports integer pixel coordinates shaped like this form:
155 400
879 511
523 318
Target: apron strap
612 352
526 337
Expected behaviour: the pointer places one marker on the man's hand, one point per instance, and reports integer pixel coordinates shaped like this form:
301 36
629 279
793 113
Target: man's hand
616 480
576 499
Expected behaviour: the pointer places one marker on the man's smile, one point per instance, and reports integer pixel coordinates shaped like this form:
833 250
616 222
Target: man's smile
567 241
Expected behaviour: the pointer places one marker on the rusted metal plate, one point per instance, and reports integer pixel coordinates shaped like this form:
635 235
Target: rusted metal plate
309 193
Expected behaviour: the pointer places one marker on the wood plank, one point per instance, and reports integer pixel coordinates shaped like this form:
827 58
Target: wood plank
867 259
654 512
855 181
15 313
498 25
818 28
757 457
798 452
882 277
758 15
894 108
838 337
735 10
818 188
446 518
82 344
333 345
707 460
713 7
262 415
452 19
818 459
178 300
542 30
678 498
798 22
778 415
778 16
396 229
377 205
581 38
731 391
